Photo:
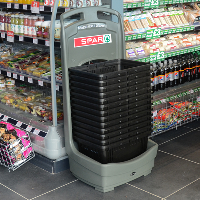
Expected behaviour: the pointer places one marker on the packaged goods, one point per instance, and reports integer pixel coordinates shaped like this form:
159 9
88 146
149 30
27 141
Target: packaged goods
57 30
73 3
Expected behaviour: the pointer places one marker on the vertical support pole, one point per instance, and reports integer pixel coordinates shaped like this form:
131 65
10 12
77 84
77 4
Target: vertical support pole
52 64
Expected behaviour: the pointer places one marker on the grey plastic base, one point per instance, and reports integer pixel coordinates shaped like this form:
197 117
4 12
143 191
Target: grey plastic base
52 146
128 171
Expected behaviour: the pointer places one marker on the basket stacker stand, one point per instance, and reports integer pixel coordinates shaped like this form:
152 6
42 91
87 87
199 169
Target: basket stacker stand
78 46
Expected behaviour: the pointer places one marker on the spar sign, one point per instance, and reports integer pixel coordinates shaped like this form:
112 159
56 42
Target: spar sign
92 40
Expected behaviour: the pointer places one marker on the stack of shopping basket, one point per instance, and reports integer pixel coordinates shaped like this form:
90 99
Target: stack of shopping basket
111 109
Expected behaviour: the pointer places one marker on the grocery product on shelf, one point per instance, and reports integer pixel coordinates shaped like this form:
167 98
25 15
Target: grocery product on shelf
175 114
170 73
167 43
31 101
15 146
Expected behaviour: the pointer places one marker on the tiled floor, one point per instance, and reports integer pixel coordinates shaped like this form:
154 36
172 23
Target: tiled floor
176 176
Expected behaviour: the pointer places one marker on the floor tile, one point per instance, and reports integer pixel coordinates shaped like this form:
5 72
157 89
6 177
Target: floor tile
190 192
7 194
32 181
194 124
168 175
168 135
187 146
81 191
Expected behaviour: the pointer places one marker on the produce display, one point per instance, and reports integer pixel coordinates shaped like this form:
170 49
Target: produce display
15 146
177 113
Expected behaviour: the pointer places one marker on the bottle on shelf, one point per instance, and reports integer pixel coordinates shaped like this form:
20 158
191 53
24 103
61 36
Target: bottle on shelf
193 66
198 70
196 67
189 69
176 73
161 77
152 78
171 73
185 64
181 72
166 74
156 83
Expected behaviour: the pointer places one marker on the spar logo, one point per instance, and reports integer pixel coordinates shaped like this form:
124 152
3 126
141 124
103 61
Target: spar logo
92 40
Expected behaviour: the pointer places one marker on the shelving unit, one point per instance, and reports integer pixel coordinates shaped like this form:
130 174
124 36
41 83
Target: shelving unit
173 101
47 137
163 32
165 2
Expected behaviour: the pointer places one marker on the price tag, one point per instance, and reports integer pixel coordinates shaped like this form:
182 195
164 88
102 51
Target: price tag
5 118
29 128
57 87
18 124
41 8
47 43
3 35
40 83
14 75
198 99
8 5
36 131
21 78
35 41
153 33
21 38
16 6
10 36
24 6
30 80
151 3
158 56
51 9
9 74
155 113
35 7
67 9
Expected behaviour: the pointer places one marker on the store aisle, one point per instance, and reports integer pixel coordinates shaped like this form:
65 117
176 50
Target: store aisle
176 176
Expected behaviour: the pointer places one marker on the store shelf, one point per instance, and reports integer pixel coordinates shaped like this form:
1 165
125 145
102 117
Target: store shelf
162 2
163 32
168 54
24 120
172 93
28 7
22 38
29 79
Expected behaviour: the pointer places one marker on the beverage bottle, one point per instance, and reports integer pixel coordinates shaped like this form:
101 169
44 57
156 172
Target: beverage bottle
181 72
176 73
193 65
161 77
156 83
198 71
166 74
171 75
152 78
185 69
189 70
197 63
